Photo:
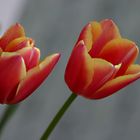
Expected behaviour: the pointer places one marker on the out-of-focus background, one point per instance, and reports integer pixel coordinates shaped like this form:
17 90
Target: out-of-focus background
55 25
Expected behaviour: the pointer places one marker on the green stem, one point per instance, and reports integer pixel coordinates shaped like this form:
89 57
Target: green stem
57 117
9 111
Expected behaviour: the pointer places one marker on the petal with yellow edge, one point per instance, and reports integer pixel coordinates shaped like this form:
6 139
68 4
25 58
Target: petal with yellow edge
34 78
120 51
12 72
103 71
90 33
96 30
131 75
110 31
79 70
17 44
86 36
12 33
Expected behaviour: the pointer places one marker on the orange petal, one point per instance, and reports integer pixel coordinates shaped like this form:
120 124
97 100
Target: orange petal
118 83
12 33
96 30
31 56
103 71
86 36
13 70
110 31
34 78
120 51
18 44
90 33
133 69
79 69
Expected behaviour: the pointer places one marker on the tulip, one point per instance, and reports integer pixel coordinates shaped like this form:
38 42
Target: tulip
102 61
21 71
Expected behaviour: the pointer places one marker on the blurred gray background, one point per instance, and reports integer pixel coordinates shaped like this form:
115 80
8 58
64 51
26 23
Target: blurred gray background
55 25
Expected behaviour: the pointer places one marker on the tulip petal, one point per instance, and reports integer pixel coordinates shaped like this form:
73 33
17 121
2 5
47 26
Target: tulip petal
133 73
110 31
120 51
12 70
31 56
18 44
1 50
12 33
133 69
96 30
90 33
79 70
86 36
103 71
34 78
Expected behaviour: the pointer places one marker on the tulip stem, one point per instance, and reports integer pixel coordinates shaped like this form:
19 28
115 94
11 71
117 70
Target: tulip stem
9 111
58 116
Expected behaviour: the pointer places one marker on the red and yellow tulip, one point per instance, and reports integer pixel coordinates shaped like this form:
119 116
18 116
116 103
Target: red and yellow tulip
101 62
21 72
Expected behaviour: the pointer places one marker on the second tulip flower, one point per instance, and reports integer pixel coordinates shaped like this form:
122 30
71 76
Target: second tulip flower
101 62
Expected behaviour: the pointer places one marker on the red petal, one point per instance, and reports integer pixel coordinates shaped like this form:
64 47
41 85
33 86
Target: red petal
31 56
34 78
12 70
79 70
1 50
103 71
120 51
12 33
110 31
118 83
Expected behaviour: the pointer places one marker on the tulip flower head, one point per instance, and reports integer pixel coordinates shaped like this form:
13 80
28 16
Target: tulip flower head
21 71
101 62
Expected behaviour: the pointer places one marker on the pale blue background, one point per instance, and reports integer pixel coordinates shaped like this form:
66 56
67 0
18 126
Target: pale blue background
55 25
